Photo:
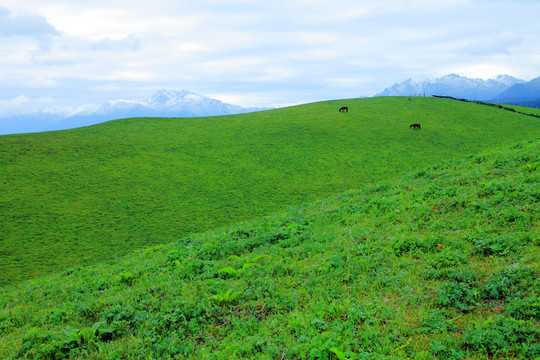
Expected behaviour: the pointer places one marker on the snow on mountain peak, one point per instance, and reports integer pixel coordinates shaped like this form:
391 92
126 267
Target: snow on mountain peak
453 85
508 80
164 95
171 98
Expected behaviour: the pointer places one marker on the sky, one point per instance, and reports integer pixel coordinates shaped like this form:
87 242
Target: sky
56 53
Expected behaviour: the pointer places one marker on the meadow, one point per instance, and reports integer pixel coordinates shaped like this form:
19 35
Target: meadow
441 263
77 197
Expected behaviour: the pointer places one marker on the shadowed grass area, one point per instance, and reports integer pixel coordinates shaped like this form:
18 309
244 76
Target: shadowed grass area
80 196
440 264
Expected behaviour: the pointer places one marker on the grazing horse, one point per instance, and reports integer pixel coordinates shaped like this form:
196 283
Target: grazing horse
415 126
344 108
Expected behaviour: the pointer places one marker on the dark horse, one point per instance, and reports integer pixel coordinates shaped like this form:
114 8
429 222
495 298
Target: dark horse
344 108
415 126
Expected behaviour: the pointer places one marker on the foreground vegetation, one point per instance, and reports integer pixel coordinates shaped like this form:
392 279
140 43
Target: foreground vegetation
440 264
81 196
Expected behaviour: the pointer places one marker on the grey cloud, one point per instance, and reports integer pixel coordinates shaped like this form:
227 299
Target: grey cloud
31 26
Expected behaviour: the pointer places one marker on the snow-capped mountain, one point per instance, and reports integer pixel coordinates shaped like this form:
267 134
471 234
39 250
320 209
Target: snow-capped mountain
163 103
455 86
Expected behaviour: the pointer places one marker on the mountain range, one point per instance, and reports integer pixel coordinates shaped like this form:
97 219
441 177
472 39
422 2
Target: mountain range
524 94
455 86
504 89
163 103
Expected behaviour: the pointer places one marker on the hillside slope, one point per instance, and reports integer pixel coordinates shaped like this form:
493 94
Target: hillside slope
440 264
85 195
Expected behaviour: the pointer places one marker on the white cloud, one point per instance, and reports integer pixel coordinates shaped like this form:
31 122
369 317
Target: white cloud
22 104
483 71
128 43
131 75
492 45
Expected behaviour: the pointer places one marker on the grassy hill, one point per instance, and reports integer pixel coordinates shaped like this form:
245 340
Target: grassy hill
526 110
80 196
440 264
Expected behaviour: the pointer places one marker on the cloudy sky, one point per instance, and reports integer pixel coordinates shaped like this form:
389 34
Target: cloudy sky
251 52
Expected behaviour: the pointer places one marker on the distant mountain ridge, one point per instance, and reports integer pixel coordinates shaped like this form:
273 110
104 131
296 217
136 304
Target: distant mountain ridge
163 103
524 94
454 85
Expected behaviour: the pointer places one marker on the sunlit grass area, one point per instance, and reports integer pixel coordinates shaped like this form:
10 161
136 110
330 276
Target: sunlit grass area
81 196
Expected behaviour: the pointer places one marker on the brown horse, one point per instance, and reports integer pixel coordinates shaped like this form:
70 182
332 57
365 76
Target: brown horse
344 108
415 126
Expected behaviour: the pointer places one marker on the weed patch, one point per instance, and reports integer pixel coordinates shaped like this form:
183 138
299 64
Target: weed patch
514 281
503 336
459 295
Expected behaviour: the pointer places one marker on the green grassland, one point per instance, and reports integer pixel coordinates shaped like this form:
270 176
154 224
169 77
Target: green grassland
80 196
442 263
523 109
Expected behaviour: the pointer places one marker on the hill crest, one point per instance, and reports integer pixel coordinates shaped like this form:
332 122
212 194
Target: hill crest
159 179
162 103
